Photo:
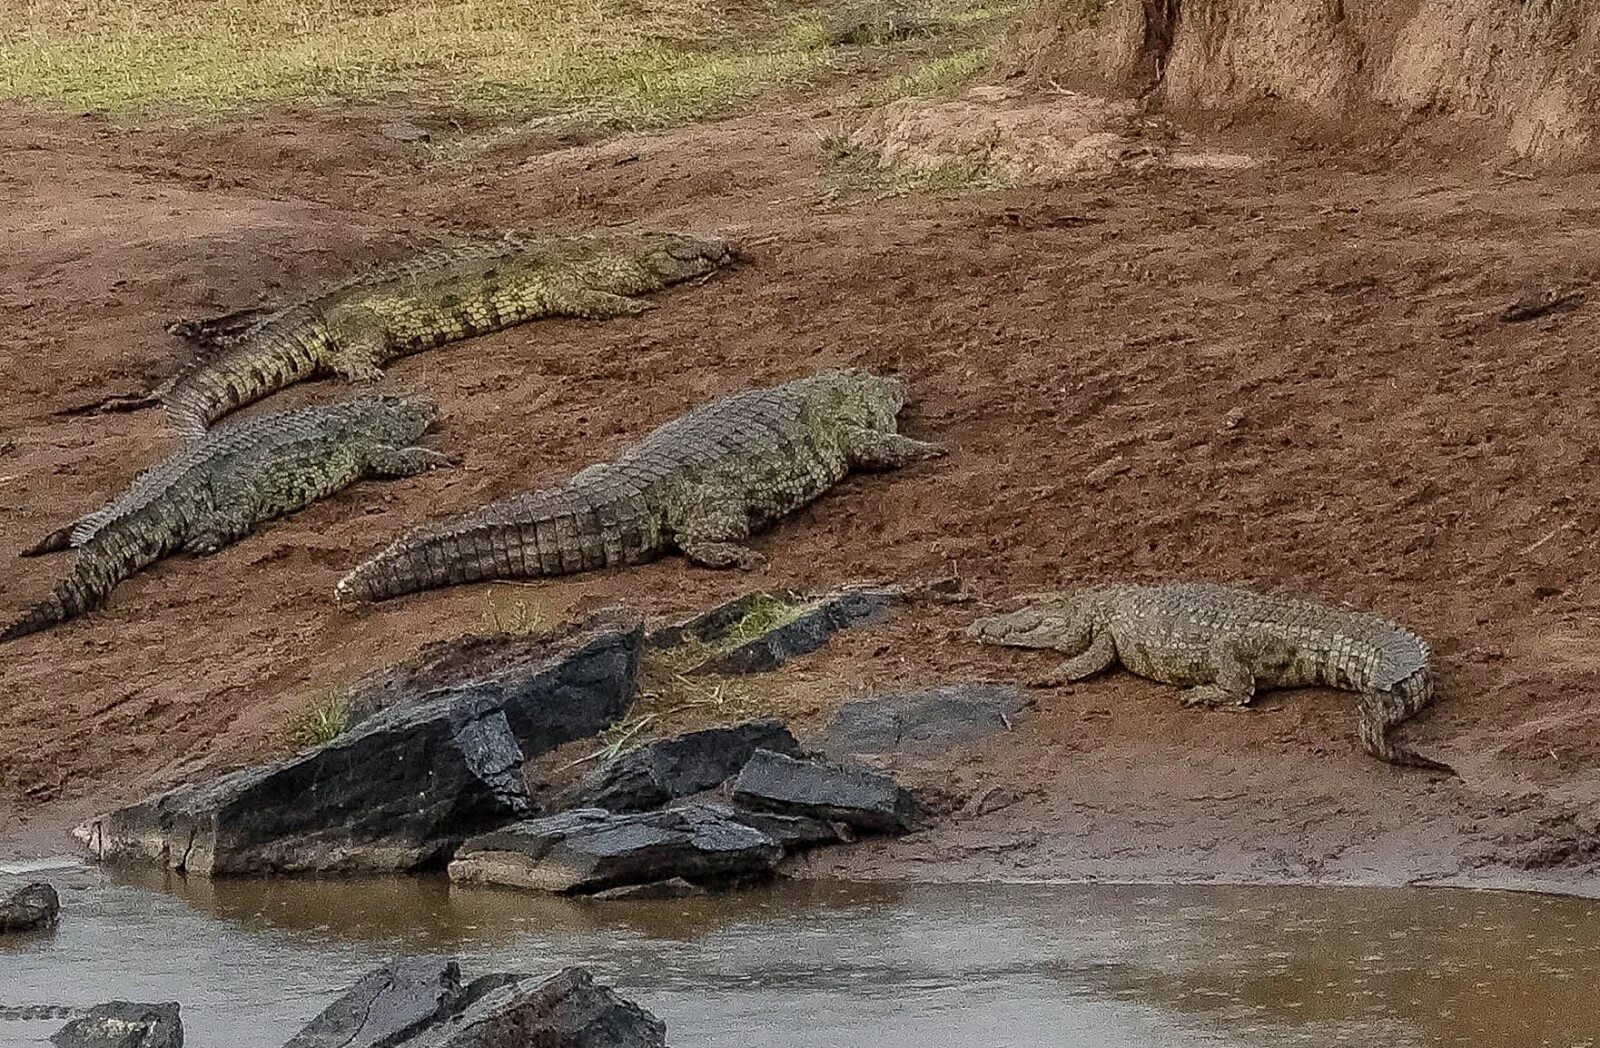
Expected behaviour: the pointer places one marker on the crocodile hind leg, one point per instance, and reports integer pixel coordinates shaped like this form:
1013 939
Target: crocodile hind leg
710 526
1099 656
1239 663
357 355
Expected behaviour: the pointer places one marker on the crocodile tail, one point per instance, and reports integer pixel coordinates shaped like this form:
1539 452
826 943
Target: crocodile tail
1384 710
539 535
269 358
55 542
84 590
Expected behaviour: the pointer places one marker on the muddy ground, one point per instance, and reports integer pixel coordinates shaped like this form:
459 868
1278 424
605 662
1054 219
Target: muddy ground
1291 376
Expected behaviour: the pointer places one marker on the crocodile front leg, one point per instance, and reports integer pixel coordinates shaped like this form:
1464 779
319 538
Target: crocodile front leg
710 526
886 451
1099 656
589 304
392 462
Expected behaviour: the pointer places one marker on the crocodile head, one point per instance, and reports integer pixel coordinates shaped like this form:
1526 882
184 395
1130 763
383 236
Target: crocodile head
1062 621
864 399
682 256
402 419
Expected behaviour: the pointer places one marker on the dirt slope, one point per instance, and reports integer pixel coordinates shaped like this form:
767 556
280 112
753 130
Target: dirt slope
1507 76
1291 376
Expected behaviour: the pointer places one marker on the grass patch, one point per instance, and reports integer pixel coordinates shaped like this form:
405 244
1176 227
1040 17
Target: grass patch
936 77
505 614
851 171
324 719
630 62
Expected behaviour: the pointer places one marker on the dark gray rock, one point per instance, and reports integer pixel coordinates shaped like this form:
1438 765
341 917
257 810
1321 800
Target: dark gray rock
388 1003
819 618
404 786
932 720
795 832
29 908
121 1024
589 850
861 799
663 771
567 1011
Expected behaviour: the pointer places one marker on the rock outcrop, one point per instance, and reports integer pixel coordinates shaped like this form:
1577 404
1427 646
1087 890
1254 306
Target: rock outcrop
405 785
123 1024
660 772
30 908
861 799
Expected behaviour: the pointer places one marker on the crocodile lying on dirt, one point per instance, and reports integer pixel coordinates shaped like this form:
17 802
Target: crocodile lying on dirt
438 296
1222 643
701 484
214 492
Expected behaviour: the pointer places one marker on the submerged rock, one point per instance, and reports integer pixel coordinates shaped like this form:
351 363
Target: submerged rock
29 908
663 771
590 850
860 799
421 1003
931 720
396 999
405 785
122 1024
759 632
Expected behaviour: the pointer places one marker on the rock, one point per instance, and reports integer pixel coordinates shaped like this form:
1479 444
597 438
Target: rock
121 1024
663 771
405 131
589 850
29 908
567 1011
404 786
803 625
860 799
793 832
386 1002
925 721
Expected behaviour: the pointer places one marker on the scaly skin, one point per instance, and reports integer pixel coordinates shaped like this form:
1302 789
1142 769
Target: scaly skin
439 296
1223 643
699 484
215 492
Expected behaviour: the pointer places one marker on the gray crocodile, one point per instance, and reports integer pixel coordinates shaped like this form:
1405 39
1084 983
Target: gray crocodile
214 492
352 328
700 484
1222 643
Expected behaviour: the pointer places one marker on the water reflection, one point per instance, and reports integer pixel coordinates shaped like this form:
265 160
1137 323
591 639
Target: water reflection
815 965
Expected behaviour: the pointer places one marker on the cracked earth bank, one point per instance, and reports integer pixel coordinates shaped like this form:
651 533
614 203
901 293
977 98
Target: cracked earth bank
1288 374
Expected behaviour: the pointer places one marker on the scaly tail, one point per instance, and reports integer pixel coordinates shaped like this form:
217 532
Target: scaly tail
538 535
1383 711
279 354
84 590
93 577
55 542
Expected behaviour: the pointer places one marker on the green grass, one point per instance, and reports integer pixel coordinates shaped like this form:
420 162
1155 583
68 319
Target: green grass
324 719
944 75
627 62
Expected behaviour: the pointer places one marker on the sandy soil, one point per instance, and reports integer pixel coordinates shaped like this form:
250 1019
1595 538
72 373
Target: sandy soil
1291 376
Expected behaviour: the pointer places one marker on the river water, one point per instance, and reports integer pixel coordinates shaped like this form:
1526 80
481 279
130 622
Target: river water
809 965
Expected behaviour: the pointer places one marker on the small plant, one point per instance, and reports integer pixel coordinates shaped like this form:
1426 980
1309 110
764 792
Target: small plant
324 719
512 616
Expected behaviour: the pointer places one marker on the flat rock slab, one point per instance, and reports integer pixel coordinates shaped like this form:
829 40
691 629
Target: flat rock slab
590 850
400 789
123 1024
30 908
663 771
397 999
861 799
569 1010
931 720
802 625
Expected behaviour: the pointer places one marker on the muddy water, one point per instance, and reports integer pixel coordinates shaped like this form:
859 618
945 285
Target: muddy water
829 966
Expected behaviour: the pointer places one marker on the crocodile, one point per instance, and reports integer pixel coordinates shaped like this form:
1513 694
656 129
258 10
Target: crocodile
1222 643
441 295
212 493
701 484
